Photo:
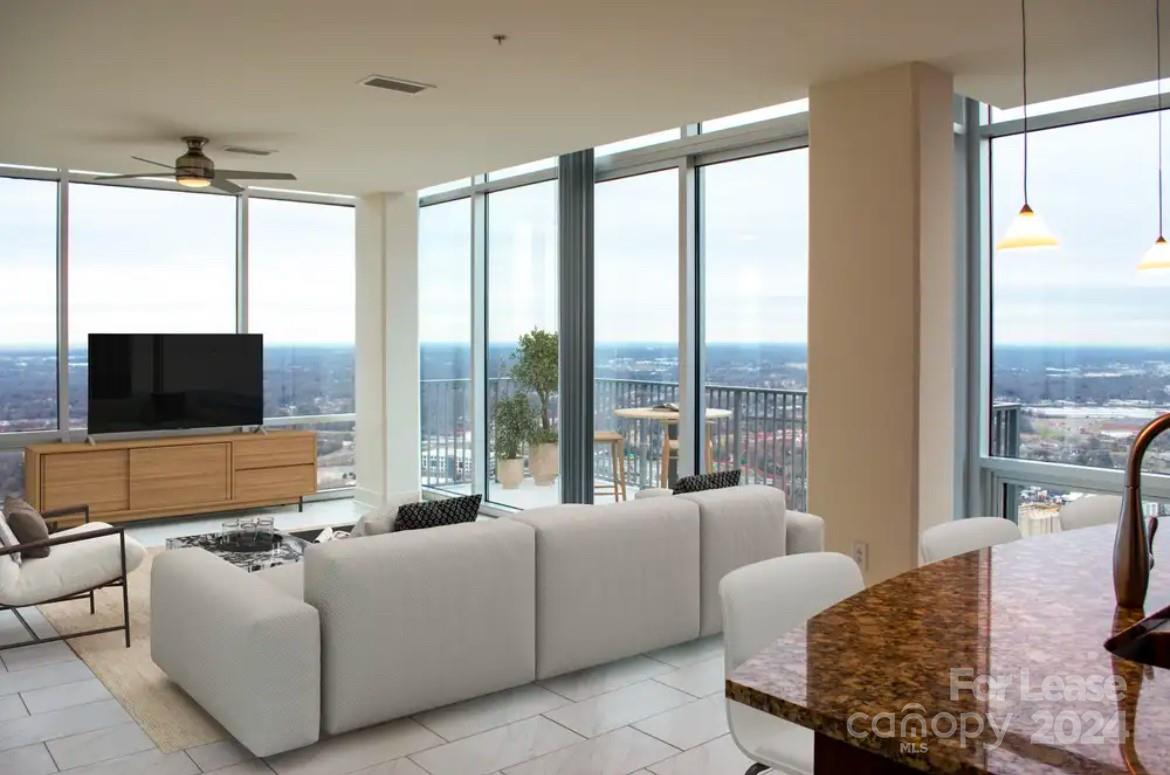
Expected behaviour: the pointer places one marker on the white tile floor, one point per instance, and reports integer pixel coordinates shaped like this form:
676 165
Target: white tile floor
660 713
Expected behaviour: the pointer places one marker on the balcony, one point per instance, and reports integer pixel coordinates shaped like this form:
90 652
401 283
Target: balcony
764 436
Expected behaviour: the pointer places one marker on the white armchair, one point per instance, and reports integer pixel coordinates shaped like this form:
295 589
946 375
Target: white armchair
82 559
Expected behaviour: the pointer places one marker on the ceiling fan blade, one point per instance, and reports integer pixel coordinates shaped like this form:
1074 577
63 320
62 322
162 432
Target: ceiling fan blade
155 163
252 175
225 185
152 174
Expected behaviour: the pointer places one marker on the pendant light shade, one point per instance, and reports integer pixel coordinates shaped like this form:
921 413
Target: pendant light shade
1027 229
1158 256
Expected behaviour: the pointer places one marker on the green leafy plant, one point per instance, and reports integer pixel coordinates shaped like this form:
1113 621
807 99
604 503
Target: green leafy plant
514 424
537 369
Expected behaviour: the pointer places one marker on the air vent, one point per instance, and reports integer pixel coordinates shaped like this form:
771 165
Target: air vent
395 84
248 151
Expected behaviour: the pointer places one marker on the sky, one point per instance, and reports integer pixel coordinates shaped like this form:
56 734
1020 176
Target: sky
144 260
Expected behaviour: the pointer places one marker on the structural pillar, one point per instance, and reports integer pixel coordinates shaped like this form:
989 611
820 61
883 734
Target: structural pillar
387 360
883 296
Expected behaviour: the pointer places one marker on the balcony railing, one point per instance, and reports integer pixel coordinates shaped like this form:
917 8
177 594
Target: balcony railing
764 437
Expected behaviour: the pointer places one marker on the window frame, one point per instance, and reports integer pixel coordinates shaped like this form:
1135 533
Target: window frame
63 177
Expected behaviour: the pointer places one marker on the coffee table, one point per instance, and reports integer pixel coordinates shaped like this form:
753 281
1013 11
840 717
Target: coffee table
285 549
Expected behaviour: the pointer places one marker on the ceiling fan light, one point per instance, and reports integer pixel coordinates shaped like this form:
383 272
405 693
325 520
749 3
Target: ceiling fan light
1027 230
191 181
1157 257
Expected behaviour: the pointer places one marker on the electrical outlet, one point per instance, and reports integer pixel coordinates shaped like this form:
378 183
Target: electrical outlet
861 554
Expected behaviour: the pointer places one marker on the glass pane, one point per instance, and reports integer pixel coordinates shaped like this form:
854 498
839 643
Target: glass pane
752 116
654 138
146 261
11 472
522 330
1079 337
334 454
754 229
523 169
444 332
28 315
635 328
444 187
301 298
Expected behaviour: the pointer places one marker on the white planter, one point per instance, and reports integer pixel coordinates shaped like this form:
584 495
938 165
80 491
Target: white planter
510 472
544 461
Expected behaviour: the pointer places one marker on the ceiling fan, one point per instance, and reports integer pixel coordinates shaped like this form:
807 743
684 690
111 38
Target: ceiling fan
195 170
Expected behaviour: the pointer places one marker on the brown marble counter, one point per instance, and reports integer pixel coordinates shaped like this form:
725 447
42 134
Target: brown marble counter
1032 615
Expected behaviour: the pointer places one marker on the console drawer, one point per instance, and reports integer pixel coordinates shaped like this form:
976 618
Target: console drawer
168 477
261 484
274 451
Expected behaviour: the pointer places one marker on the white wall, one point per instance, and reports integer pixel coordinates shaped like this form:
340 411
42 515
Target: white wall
386 393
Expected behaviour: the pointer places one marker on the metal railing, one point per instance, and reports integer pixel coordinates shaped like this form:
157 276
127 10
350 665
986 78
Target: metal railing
764 436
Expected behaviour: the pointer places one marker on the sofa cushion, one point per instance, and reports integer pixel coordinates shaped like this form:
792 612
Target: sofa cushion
448 511
381 519
27 525
289 579
72 567
421 618
613 581
716 480
738 526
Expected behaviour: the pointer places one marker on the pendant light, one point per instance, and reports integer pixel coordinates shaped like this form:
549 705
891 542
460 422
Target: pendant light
1158 256
1027 229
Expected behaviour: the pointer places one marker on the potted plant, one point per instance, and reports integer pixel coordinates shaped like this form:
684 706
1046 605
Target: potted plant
514 424
537 369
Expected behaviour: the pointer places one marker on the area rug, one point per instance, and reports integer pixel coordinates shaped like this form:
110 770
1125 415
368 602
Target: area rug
172 719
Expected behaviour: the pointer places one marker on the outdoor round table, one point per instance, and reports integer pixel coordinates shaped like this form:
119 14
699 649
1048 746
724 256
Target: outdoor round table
669 420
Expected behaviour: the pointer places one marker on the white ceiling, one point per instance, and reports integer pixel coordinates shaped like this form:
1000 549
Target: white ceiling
84 84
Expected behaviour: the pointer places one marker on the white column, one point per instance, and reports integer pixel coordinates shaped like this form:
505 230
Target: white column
882 303
387 389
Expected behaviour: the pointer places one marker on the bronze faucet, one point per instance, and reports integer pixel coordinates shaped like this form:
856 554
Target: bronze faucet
1133 548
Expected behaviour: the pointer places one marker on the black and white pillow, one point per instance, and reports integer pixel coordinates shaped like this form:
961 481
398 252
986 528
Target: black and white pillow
415 516
714 481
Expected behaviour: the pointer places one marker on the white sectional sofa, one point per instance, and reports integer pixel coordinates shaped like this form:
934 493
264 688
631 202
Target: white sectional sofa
370 629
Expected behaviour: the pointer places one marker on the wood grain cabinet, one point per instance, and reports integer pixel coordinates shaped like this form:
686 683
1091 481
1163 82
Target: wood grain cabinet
162 477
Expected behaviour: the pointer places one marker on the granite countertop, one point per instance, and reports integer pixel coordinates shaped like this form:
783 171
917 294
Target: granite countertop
1031 615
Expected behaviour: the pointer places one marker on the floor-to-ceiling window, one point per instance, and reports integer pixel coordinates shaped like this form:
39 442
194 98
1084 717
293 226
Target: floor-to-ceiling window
635 329
522 364
28 317
146 261
301 298
1079 351
754 256
444 325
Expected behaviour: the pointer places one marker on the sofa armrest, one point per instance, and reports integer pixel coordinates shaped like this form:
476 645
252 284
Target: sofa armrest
247 653
804 532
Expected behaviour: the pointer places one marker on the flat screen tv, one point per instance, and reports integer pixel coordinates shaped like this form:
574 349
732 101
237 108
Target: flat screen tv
152 382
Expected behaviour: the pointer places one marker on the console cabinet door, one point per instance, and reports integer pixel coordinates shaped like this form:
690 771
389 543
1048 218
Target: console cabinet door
167 477
99 478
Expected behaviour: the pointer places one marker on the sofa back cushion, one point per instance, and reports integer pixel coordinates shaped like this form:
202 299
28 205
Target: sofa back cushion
738 526
613 581
421 618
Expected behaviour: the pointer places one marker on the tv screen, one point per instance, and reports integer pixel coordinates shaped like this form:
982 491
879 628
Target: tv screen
148 382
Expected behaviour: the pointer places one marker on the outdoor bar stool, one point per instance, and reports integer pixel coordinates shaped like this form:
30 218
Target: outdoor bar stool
617 456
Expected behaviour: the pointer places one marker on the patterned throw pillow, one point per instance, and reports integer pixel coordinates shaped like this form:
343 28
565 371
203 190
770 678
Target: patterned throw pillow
27 525
415 516
700 482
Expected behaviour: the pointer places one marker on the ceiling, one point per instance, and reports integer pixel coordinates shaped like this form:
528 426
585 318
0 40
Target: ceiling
85 84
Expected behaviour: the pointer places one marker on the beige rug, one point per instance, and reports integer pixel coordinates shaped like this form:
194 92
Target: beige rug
171 718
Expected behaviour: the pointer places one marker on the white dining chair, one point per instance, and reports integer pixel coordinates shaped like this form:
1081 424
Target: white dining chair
1089 511
965 535
761 602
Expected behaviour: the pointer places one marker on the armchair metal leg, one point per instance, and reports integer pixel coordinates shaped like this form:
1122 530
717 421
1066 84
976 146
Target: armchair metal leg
125 592
91 606
756 769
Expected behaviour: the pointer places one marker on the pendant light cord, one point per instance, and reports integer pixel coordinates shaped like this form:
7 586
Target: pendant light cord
1158 37
1024 49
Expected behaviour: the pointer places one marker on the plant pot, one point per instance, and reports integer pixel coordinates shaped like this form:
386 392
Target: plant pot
545 463
510 472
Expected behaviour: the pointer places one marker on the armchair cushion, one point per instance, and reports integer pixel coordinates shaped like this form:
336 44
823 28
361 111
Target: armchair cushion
71 568
27 525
